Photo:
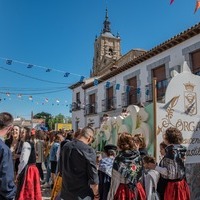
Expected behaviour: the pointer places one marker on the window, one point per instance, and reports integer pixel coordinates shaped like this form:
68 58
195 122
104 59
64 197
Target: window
132 94
109 94
76 105
159 73
109 103
195 57
110 52
78 98
92 103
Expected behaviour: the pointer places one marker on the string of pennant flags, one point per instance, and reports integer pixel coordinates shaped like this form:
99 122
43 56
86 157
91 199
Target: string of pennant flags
138 90
45 100
128 88
197 5
29 66
42 101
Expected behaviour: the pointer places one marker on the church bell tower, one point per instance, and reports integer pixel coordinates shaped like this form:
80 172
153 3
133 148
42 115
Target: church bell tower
106 50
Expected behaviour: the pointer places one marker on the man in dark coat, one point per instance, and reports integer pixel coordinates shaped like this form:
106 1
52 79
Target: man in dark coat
7 186
79 171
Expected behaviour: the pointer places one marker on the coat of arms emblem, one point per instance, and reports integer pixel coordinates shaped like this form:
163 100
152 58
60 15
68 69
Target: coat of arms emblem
190 99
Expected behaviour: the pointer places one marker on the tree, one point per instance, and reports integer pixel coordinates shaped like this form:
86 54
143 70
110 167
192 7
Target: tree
42 115
45 116
53 120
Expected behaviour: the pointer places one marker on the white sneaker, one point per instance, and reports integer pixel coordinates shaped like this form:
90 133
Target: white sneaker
46 185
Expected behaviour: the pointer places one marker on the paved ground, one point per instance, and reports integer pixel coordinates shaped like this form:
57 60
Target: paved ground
46 193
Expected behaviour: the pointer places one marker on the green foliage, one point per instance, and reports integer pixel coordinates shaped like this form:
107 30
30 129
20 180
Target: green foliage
42 115
50 120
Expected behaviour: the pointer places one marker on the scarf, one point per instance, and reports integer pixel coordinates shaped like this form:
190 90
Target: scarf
128 164
106 165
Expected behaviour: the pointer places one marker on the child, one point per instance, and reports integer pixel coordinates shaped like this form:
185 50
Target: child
162 149
150 179
172 166
139 141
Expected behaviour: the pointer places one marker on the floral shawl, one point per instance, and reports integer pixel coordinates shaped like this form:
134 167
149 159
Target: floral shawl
128 164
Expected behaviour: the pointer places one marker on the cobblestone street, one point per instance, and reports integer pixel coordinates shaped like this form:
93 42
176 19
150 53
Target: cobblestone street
46 193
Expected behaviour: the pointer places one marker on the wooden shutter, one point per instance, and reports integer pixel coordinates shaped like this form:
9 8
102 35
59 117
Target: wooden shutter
196 61
132 95
92 103
109 93
159 73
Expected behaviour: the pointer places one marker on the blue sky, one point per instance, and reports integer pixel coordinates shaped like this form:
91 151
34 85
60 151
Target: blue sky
59 34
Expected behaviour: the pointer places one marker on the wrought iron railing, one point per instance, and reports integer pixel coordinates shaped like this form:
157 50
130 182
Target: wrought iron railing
91 109
109 104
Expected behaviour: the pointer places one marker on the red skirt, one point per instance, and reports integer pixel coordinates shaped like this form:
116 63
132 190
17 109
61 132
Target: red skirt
124 193
30 188
178 190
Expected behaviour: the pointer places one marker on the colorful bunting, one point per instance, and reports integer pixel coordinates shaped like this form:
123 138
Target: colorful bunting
197 6
46 99
117 87
30 98
138 90
9 62
48 70
96 82
128 88
66 74
81 79
29 66
107 84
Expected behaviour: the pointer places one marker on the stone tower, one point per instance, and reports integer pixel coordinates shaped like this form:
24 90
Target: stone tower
106 50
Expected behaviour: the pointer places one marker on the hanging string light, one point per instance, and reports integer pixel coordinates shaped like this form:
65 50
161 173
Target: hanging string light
30 98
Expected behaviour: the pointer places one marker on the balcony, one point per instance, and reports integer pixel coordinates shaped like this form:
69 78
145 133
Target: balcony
91 109
109 104
161 88
130 98
197 73
75 106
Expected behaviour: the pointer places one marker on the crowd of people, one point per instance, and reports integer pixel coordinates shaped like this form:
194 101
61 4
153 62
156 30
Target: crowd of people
74 171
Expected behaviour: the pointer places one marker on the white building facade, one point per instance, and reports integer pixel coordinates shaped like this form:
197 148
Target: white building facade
118 81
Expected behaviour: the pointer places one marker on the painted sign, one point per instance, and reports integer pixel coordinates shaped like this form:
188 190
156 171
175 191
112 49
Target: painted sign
181 111
63 126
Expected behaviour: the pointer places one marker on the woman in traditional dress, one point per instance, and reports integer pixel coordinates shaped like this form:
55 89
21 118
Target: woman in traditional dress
172 169
127 172
28 179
